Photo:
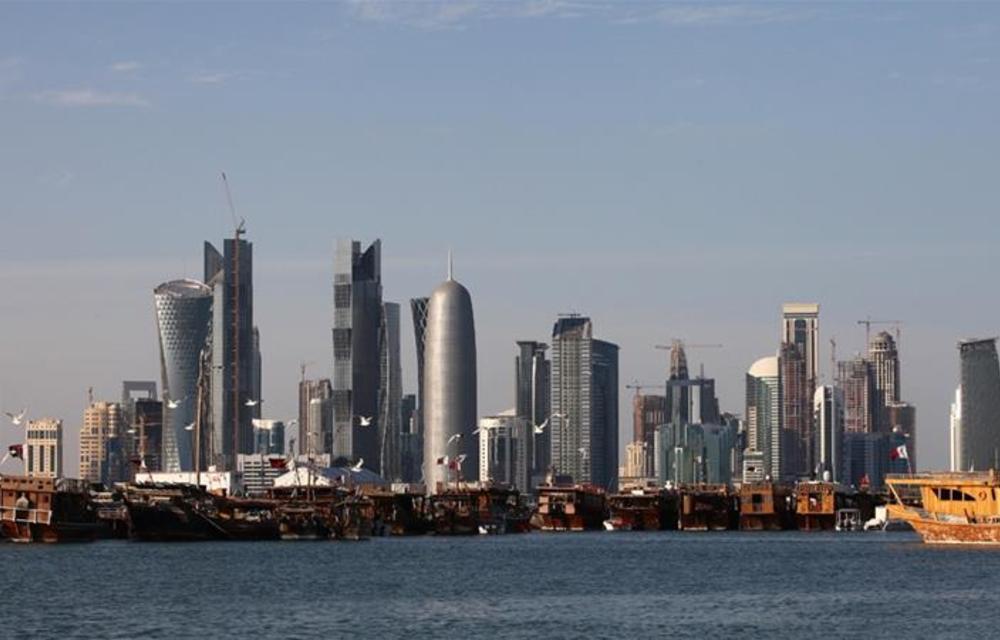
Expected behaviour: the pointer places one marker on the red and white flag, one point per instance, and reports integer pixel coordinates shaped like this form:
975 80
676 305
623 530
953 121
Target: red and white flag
443 460
899 453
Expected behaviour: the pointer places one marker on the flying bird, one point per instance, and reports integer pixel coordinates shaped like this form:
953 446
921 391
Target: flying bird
357 466
562 416
173 404
190 427
539 428
477 431
315 400
17 418
457 436
366 421
252 403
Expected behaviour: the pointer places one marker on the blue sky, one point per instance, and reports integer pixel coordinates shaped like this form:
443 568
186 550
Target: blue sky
672 170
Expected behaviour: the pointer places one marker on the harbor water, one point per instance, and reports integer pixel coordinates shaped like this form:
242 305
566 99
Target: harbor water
600 585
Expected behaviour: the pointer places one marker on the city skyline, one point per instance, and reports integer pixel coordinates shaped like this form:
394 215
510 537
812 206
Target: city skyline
576 178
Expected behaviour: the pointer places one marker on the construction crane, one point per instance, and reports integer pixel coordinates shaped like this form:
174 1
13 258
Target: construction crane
868 322
639 387
678 347
302 368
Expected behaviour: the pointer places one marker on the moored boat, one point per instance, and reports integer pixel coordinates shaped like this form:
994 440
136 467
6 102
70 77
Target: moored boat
570 507
705 507
765 506
948 508
46 510
642 508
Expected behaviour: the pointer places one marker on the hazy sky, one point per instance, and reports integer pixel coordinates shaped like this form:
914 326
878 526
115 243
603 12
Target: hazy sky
671 170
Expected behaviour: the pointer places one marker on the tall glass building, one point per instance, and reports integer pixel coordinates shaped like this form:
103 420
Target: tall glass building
357 323
183 320
584 397
763 414
980 405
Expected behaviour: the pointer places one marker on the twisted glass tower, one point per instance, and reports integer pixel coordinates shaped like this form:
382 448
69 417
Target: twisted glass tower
183 320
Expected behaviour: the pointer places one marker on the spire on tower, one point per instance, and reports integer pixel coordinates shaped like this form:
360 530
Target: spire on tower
450 266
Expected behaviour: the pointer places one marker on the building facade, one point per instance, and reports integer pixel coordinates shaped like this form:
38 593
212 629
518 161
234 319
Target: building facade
235 352
531 399
980 405
828 412
883 357
390 394
43 450
183 320
268 437
450 389
103 425
411 444
584 397
504 445
763 415
357 325
315 434
855 378
648 414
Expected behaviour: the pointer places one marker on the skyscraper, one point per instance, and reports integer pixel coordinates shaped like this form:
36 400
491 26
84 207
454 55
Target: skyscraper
418 308
796 412
884 359
980 405
687 400
183 319
584 438
503 450
800 326
449 384
531 399
828 409
800 377
44 448
648 414
955 432
855 378
357 322
390 394
763 415
315 417
411 445
103 422
235 354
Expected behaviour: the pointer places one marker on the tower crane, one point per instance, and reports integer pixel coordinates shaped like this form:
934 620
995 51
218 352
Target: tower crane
868 322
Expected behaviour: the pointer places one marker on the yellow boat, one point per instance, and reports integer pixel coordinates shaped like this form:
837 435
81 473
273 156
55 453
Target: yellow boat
948 508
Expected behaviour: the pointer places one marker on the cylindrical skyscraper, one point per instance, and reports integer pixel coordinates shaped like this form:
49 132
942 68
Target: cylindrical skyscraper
183 319
449 386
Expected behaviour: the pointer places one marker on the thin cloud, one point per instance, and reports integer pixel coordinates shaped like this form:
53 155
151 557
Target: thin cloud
86 97
457 14
126 66
210 78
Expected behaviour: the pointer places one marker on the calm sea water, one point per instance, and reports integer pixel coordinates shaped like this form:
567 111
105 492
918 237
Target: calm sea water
681 585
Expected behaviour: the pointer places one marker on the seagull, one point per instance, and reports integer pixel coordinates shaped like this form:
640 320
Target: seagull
583 452
561 416
292 423
457 436
173 404
17 418
252 403
315 400
190 427
366 421
539 428
460 459
477 431
357 466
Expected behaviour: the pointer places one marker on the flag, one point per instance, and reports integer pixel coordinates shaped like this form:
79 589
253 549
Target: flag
278 463
443 460
899 453
16 451
865 481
